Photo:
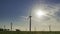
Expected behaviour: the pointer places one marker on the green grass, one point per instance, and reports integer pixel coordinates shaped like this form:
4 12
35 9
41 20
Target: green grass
27 32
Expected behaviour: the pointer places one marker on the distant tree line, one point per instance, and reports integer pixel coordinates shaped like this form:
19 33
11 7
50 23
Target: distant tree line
1 29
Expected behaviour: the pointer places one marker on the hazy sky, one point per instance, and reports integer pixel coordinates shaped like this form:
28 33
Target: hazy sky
17 12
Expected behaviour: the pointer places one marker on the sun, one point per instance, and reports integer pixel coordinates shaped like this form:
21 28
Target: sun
39 13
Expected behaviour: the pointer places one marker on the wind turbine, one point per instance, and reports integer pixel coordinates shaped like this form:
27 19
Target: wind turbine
49 27
29 20
30 16
11 26
4 27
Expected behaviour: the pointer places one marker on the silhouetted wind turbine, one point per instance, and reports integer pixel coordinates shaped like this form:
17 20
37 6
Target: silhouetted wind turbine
11 26
49 27
4 26
30 21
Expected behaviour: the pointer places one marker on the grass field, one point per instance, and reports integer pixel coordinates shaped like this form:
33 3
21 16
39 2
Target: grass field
26 32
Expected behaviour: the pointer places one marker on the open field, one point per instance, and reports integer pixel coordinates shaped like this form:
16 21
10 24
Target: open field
26 32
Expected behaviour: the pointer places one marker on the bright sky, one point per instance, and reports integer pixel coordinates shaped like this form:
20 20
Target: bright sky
17 12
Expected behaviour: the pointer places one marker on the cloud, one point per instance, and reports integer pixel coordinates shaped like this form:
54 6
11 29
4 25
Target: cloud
51 9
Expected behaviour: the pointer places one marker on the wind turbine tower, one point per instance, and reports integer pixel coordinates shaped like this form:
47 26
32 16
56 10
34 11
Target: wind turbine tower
11 26
30 23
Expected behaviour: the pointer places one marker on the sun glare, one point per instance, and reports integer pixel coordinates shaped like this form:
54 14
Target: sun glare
39 13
